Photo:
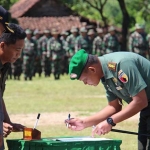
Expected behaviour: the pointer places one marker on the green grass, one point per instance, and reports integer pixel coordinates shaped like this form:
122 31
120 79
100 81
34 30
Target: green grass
47 95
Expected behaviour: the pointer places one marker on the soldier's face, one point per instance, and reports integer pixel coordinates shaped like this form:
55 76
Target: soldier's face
29 36
10 53
90 76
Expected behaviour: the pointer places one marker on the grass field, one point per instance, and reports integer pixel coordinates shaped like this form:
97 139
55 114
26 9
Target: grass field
47 96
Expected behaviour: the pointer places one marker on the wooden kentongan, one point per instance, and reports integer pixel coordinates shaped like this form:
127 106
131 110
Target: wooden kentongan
31 134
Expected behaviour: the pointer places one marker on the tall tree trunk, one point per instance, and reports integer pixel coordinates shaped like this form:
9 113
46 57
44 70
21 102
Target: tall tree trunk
125 25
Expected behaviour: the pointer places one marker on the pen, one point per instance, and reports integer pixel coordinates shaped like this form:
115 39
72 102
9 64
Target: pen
36 121
68 119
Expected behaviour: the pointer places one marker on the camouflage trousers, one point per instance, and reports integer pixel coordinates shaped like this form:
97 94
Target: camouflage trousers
144 128
46 65
37 66
28 67
57 68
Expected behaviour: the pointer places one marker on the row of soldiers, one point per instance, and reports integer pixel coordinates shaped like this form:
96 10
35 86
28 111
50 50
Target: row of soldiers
50 52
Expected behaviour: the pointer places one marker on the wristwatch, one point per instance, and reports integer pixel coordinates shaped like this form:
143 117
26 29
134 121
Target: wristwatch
110 121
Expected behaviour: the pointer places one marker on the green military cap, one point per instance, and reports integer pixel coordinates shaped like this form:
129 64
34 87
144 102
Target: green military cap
36 31
28 31
54 31
91 31
46 31
64 33
139 26
73 30
77 64
99 30
83 29
111 28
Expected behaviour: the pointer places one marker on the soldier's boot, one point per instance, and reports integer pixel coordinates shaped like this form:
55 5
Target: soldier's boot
18 77
30 78
55 76
14 77
25 78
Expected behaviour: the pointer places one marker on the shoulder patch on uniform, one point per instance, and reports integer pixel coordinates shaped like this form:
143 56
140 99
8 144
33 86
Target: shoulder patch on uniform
122 76
112 66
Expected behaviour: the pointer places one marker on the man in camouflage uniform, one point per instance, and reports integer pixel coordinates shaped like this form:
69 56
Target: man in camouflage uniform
45 61
148 46
98 47
137 41
65 63
91 36
71 40
82 41
111 42
55 53
29 54
37 63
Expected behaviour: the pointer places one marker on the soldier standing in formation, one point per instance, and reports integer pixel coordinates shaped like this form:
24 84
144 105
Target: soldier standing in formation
29 54
71 40
82 41
65 63
91 36
137 41
111 42
45 61
37 63
98 46
55 53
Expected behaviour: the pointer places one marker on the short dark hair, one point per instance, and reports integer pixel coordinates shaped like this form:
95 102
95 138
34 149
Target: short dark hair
92 59
17 33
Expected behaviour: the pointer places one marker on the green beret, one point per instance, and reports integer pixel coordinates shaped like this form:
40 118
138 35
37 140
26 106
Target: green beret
77 64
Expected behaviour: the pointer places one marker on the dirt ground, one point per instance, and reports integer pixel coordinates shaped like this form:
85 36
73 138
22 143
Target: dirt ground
48 118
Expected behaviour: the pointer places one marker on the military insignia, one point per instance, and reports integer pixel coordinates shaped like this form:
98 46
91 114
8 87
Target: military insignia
73 75
1 18
122 76
119 88
112 66
109 89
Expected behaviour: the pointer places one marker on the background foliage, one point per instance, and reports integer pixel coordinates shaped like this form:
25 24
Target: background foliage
139 10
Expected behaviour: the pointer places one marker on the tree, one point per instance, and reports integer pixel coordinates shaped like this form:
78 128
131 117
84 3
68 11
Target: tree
125 25
7 3
99 6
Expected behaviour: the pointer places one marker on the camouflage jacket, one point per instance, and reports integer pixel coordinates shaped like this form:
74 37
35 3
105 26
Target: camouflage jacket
137 43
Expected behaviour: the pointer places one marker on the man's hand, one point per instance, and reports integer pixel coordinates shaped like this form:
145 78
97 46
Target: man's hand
102 128
7 129
75 124
11 127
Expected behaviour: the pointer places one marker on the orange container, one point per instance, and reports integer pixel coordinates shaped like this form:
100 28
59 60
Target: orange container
31 134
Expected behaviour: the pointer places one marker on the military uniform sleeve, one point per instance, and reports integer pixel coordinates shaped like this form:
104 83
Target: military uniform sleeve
134 81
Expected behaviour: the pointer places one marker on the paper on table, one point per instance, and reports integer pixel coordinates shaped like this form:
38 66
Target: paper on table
81 139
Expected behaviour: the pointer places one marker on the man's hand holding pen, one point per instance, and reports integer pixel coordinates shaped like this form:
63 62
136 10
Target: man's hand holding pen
74 124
